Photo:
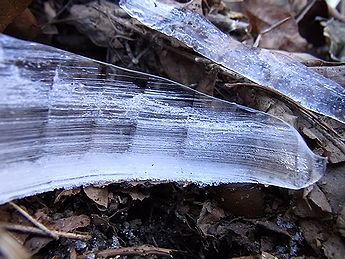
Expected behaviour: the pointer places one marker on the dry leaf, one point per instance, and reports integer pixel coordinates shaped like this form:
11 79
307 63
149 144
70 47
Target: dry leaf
9 10
71 223
137 195
210 214
188 72
243 234
272 226
100 21
304 209
335 31
98 195
65 194
332 185
245 201
227 24
265 255
24 26
194 5
35 244
313 233
334 248
277 26
341 222
319 199
73 253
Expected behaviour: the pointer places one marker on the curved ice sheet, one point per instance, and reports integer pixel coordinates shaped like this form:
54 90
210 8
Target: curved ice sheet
272 70
66 121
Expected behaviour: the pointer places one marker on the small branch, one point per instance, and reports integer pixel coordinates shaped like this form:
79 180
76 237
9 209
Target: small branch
38 231
143 250
34 221
273 26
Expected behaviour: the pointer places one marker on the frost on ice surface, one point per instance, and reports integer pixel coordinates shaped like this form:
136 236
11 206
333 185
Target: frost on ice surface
83 122
272 70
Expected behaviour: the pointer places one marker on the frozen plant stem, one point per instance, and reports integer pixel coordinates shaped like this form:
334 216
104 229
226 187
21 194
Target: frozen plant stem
261 66
67 121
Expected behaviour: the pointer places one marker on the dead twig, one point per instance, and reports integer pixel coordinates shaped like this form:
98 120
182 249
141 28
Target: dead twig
143 250
273 26
304 11
34 221
38 231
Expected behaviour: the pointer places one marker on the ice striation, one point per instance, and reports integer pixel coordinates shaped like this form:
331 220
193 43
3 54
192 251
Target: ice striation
67 121
261 66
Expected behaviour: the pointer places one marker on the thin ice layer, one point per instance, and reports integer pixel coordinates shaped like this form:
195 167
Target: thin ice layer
67 121
272 70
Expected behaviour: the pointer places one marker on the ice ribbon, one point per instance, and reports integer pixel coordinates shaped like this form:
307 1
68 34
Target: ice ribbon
67 121
261 66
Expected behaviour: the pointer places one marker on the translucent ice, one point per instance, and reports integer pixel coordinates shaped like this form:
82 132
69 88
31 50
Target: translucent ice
272 70
67 121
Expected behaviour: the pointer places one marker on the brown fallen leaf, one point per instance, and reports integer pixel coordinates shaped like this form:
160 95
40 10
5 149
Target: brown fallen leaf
267 243
335 32
35 244
61 196
99 195
314 233
209 214
6 216
341 222
71 223
73 253
265 255
103 221
194 5
334 248
24 26
242 234
275 26
136 193
332 185
9 10
247 201
227 24
101 21
188 72
305 209
315 195
272 226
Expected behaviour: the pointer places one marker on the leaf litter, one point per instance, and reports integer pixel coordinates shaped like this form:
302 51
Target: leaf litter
170 216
